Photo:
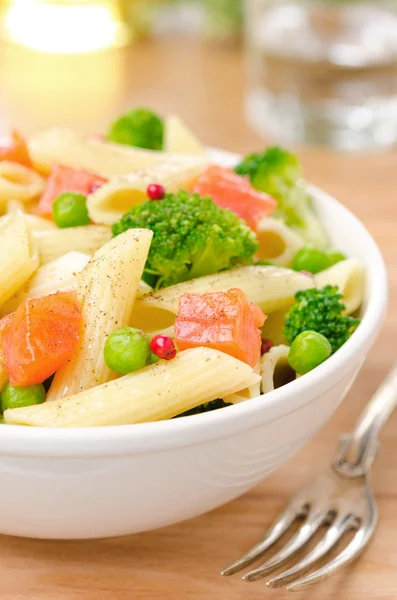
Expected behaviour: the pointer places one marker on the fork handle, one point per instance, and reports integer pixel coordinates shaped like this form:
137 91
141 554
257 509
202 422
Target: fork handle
358 449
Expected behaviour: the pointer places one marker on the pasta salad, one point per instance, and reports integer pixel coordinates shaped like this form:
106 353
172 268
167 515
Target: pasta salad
140 282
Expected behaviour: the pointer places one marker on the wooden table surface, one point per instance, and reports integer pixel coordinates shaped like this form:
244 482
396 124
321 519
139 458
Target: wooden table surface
205 86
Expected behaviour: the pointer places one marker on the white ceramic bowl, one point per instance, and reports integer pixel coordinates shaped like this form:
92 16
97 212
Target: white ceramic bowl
88 483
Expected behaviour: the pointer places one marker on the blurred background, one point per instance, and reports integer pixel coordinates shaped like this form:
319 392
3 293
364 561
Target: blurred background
298 72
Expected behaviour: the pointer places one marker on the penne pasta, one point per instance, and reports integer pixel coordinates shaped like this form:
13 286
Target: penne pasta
14 206
168 331
277 242
107 289
66 147
252 391
143 288
18 183
349 276
271 288
160 391
54 242
19 255
38 224
58 275
34 223
152 320
273 327
108 204
178 138
275 369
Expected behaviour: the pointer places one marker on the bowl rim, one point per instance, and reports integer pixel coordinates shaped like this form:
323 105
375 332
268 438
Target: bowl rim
17 440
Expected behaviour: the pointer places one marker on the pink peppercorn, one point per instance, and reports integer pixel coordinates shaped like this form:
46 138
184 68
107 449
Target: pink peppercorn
163 347
155 191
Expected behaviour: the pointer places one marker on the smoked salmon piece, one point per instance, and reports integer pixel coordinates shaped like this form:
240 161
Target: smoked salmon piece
229 190
225 321
40 336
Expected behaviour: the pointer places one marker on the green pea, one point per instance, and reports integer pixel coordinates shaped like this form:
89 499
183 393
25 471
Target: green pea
126 349
334 256
17 397
70 210
308 350
310 259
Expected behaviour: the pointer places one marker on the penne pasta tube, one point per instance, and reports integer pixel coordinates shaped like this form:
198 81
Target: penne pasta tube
19 255
153 321
18 183
58 275
35 224
178 138
160 391
252 391
107 289
278 243
168 331
54 242
107 159
108 204
13 206
275 369
143 288
271 288
273 327
349 276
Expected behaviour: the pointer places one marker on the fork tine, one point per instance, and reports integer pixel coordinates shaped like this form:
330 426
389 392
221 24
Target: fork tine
306 531
352 550
332 536
285 520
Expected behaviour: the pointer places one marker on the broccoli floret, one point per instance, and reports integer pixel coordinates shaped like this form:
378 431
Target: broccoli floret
208 406
281 162
320 310
278 173
192 237
140 127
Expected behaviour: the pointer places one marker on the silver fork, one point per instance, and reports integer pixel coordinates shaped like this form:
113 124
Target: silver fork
340 499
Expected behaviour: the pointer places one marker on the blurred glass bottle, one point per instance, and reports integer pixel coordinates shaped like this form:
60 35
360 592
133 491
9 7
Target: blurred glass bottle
323 71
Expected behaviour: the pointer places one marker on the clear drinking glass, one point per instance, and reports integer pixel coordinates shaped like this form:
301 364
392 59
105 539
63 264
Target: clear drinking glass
323 71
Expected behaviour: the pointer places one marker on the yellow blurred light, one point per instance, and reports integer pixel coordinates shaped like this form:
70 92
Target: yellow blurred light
41 90
65 27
